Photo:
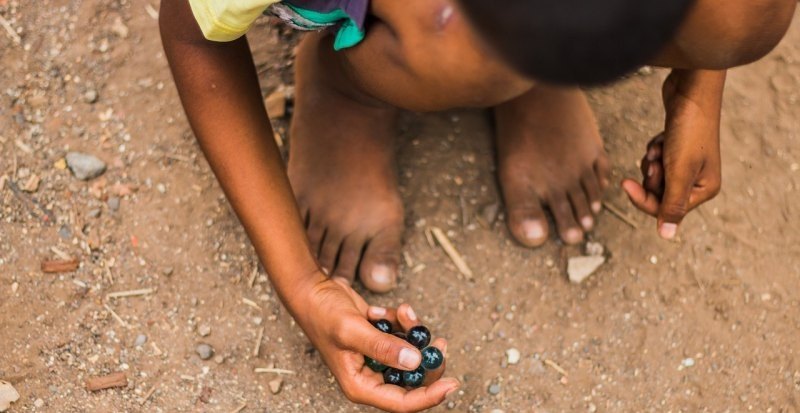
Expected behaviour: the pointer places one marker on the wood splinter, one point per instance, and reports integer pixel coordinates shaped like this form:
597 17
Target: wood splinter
59 266
107 382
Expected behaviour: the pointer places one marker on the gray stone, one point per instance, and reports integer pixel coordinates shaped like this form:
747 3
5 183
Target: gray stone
205 351
65 233
580 268
85 166
513 356
94 213
140 340
113 203
494 389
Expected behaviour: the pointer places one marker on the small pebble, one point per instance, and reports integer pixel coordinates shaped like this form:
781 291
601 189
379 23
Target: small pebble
497 411
140 340
204 330
580 268
113 203
168 271
204 351
161 188
94 213
90 96
38 403
688 362
513 356
65 233
275 385
494 389
85 166
219 359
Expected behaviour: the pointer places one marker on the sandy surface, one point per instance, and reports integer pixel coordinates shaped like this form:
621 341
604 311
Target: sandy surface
709 323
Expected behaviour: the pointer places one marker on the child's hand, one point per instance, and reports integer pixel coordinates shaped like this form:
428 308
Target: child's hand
682 166
335 318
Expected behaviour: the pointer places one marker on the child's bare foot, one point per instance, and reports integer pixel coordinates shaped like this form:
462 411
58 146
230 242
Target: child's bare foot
550 153
341 167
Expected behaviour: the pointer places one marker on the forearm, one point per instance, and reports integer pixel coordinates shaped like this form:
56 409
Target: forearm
218 87
695 90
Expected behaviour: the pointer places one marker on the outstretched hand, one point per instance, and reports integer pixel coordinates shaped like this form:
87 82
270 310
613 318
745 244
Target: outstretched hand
336 321
682 166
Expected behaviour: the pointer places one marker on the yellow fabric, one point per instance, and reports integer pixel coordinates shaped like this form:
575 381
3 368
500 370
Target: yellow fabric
227 20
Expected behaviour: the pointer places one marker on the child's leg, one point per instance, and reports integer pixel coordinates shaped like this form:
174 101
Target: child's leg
342 170
550 153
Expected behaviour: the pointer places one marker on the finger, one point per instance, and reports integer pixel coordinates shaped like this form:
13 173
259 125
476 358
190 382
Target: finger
433 375
655 148
362 337
407 317
640 198
675 203
654 182
393 398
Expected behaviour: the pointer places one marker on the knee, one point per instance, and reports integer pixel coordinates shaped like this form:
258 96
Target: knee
754 34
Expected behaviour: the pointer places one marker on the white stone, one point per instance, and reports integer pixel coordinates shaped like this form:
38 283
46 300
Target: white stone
513 356
580 268
8 395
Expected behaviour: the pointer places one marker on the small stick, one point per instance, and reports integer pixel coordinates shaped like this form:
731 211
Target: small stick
451 252
408 260
251 303
63 255
261 370
253 276
555 367
429 238
187 377
619 214
117 317
59 266
106 382
147 396
259 337
151 11
32 205
178 158
464 217
156 351
240 408
10 30
131 293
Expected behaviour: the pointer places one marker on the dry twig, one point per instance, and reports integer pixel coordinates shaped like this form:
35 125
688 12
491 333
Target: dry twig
451 252
619 214
106 382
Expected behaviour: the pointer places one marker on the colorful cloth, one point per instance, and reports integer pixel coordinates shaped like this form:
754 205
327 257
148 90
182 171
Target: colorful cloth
226 20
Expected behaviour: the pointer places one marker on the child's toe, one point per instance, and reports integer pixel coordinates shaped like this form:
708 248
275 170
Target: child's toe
379 266
527 223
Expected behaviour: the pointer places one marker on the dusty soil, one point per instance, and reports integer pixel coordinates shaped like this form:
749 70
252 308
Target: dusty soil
709 323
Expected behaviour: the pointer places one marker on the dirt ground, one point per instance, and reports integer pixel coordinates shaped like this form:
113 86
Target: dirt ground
709 323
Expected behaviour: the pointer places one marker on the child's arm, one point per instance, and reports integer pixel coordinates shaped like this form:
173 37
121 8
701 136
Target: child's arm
682 166
219 88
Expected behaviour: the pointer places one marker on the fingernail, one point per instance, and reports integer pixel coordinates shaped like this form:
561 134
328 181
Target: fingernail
381 274
668 230
651 170
411 314
597 206
651 155
325 271
377 311
533 230
409 359
587 222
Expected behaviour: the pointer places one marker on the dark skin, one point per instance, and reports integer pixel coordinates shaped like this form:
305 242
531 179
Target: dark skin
218 86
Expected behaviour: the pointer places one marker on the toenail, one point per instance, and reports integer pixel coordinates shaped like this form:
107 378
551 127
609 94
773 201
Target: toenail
587 222
596 206
573 235
533 230
382 274
651 170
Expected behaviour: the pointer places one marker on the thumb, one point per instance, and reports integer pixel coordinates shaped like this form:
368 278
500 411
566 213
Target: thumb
675 202
363 338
